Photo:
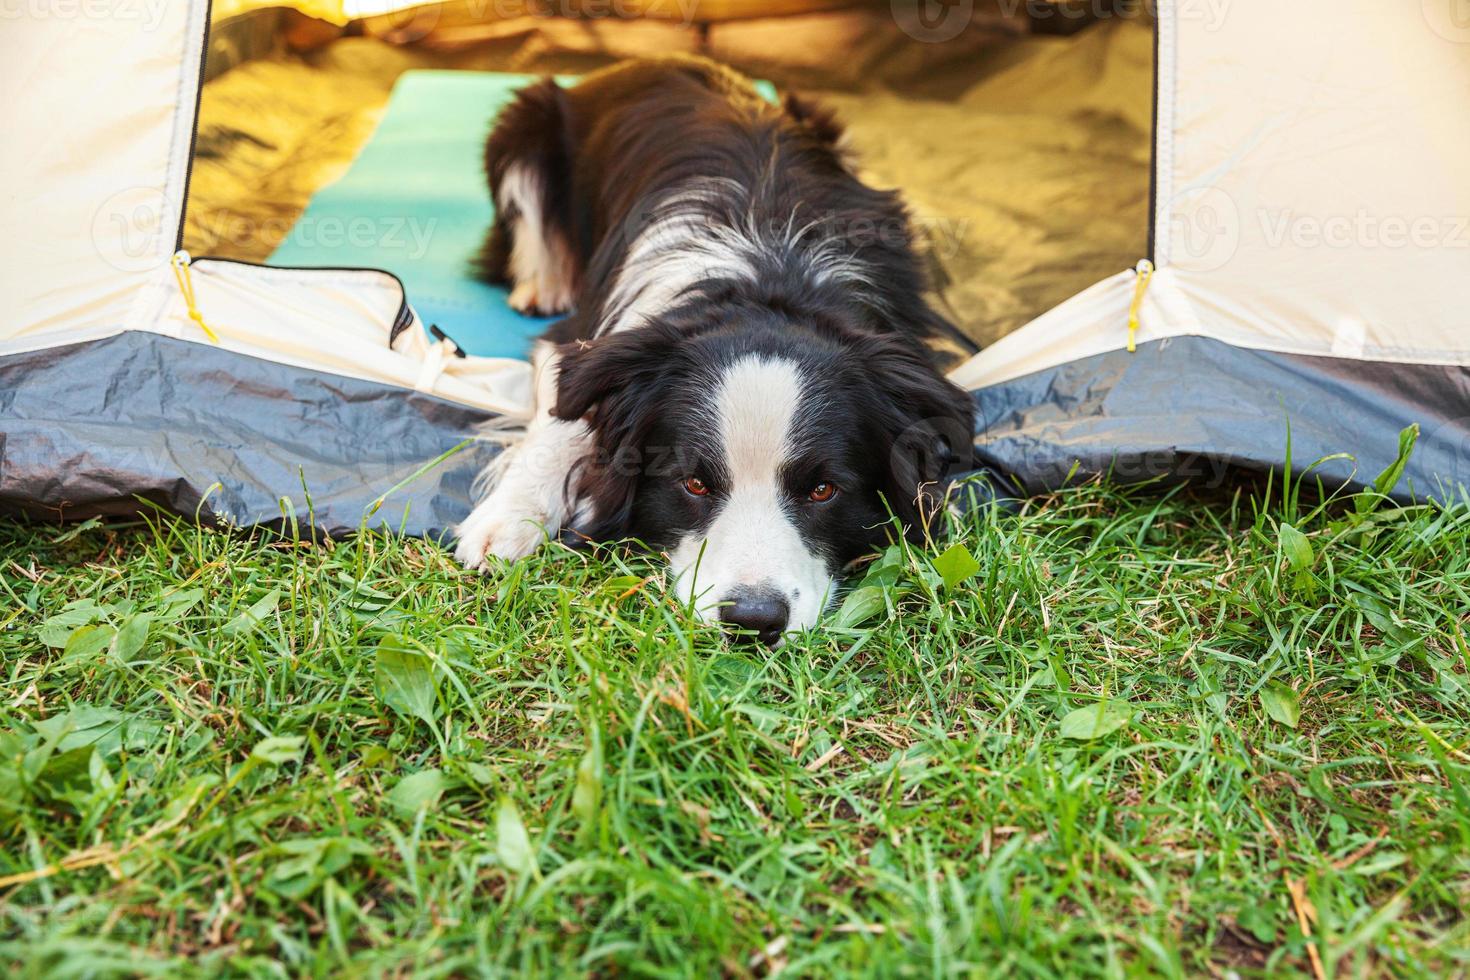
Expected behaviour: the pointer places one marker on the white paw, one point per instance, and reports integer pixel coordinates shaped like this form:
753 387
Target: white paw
499 529
529 501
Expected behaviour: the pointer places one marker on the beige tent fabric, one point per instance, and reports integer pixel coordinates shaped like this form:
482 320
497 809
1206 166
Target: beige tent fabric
1311 191
94 191
97 123
1321 205
335 321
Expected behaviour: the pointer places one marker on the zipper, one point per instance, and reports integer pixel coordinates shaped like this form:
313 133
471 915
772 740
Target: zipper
194 132
1153 153
401 320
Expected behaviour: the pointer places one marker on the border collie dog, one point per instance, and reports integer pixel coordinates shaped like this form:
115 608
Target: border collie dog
741 379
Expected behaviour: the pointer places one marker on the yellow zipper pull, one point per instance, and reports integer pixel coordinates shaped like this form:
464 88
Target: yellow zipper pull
1144 271
180 262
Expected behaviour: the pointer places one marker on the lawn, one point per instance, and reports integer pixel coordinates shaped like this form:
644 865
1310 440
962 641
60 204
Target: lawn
1143 733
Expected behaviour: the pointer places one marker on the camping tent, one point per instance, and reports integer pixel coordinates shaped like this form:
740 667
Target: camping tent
286 400
1310 240
1309 267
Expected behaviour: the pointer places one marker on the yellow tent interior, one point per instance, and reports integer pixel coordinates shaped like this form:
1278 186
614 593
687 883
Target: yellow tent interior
1022 141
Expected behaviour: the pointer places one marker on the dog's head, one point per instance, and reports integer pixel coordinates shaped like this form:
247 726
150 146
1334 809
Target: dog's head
762 457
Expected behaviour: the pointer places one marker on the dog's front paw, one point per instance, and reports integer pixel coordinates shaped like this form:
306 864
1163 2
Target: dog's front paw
495 531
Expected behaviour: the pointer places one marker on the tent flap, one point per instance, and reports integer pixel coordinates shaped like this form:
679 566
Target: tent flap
98 137
1196 408
237 440
1311 235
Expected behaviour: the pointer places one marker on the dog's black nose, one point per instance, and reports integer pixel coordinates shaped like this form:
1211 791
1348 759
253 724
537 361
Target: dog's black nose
763 614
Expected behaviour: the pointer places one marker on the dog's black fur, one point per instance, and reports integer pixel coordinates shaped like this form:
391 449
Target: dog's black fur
831 282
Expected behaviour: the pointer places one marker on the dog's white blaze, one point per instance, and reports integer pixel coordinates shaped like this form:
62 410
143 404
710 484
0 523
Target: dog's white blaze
752 543
540 262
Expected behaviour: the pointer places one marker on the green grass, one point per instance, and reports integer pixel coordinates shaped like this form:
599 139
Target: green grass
1152 734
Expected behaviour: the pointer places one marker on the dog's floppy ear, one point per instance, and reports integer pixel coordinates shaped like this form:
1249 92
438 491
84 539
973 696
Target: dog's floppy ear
924 426
616 384
606 377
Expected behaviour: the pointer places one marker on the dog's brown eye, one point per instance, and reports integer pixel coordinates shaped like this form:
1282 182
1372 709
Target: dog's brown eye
823 492
695 487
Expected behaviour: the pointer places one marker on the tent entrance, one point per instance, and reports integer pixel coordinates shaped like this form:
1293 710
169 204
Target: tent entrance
1023 149
1308 220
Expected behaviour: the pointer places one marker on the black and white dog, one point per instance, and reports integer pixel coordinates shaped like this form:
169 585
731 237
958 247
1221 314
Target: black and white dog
742 379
